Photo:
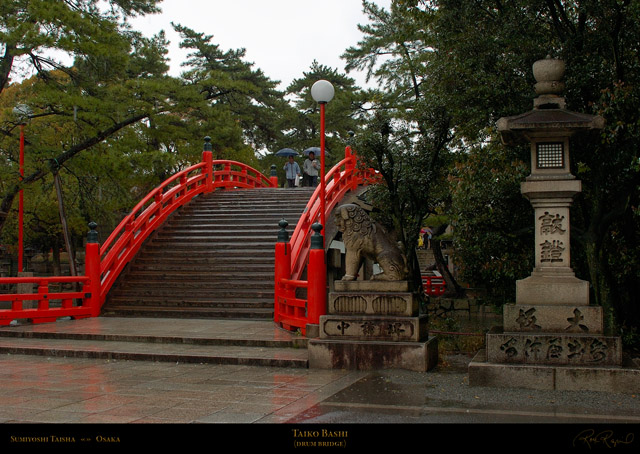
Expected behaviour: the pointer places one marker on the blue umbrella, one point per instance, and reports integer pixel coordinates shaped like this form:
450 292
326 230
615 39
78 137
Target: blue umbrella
316 151
287 152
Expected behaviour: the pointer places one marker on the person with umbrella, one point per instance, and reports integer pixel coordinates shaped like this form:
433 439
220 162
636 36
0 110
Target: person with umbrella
292 171
310 168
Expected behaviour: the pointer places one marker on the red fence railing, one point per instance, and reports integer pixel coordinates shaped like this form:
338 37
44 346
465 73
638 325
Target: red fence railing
103 264
50 303
292 256
433 285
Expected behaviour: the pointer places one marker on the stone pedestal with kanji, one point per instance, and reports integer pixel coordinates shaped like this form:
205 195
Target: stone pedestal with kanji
552 337
373 325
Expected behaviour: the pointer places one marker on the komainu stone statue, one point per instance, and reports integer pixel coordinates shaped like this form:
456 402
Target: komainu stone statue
362 238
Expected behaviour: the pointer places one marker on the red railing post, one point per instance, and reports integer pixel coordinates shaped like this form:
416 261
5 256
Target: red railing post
207 158
350 164
92 270
43 304
43 290
273 177
282 267
317 278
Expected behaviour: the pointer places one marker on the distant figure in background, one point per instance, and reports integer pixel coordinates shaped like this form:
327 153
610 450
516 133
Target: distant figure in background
310 168
426 233
292 171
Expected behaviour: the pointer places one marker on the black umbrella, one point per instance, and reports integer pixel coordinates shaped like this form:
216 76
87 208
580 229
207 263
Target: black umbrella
316 151
287 152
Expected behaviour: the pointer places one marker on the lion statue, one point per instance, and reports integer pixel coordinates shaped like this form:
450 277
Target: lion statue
362 238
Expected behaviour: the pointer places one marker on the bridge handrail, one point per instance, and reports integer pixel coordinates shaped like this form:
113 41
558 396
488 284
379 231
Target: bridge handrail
105 264
344 176
146 216
153 209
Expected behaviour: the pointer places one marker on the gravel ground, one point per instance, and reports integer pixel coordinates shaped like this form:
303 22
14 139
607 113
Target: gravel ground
444 395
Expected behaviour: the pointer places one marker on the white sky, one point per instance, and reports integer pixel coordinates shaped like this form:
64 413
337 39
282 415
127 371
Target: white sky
281 37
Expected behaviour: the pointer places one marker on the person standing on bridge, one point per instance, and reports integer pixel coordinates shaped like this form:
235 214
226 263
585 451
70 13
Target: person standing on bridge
311 167
292 171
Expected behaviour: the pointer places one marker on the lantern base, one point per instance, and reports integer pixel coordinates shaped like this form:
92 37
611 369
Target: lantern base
555 286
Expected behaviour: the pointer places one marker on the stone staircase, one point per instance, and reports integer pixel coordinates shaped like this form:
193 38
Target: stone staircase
178 340
426 260
212 259
200 290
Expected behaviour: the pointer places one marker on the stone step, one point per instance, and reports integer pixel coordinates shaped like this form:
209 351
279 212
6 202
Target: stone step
214 275
258 238
185 290
228 246
208 280
227 218
260 194
195 291
181 350
162 311
167 265
239 256
195 301
188 266
212 259
205 220
249 203
227 228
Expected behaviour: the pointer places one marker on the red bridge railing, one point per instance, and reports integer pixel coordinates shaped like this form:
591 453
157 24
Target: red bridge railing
103 264
433 285
292 256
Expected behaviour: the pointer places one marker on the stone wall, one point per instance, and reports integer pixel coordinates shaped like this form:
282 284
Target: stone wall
471 312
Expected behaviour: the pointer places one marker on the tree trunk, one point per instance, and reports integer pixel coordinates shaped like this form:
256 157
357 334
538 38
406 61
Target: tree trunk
453 289
11 192
65 227
57 268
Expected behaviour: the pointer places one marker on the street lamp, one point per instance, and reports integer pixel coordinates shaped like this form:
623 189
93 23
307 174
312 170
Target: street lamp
322 92
23 113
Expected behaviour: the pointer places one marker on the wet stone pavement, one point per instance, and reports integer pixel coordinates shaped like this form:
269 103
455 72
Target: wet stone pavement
136 401
37 389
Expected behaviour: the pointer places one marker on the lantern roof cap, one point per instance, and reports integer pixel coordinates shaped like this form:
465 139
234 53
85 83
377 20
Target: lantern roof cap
549 114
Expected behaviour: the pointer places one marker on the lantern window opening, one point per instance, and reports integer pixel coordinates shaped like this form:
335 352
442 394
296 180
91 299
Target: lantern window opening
550 155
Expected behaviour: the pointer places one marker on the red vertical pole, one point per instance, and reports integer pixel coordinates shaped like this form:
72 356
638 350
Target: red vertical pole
21 206
92 270
317 278
282 267
322 182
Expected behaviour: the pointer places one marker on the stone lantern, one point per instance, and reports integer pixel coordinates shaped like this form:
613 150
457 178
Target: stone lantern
552 337
551 187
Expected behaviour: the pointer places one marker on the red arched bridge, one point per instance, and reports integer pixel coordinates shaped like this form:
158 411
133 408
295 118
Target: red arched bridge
214 257
294 255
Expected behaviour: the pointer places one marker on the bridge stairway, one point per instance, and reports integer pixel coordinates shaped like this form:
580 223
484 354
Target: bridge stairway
212 259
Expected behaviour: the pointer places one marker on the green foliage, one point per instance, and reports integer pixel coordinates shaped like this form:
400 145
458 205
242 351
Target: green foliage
114 122
79 28
481 70
343 114
493 233
231 84
412 166
394 53
410 139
